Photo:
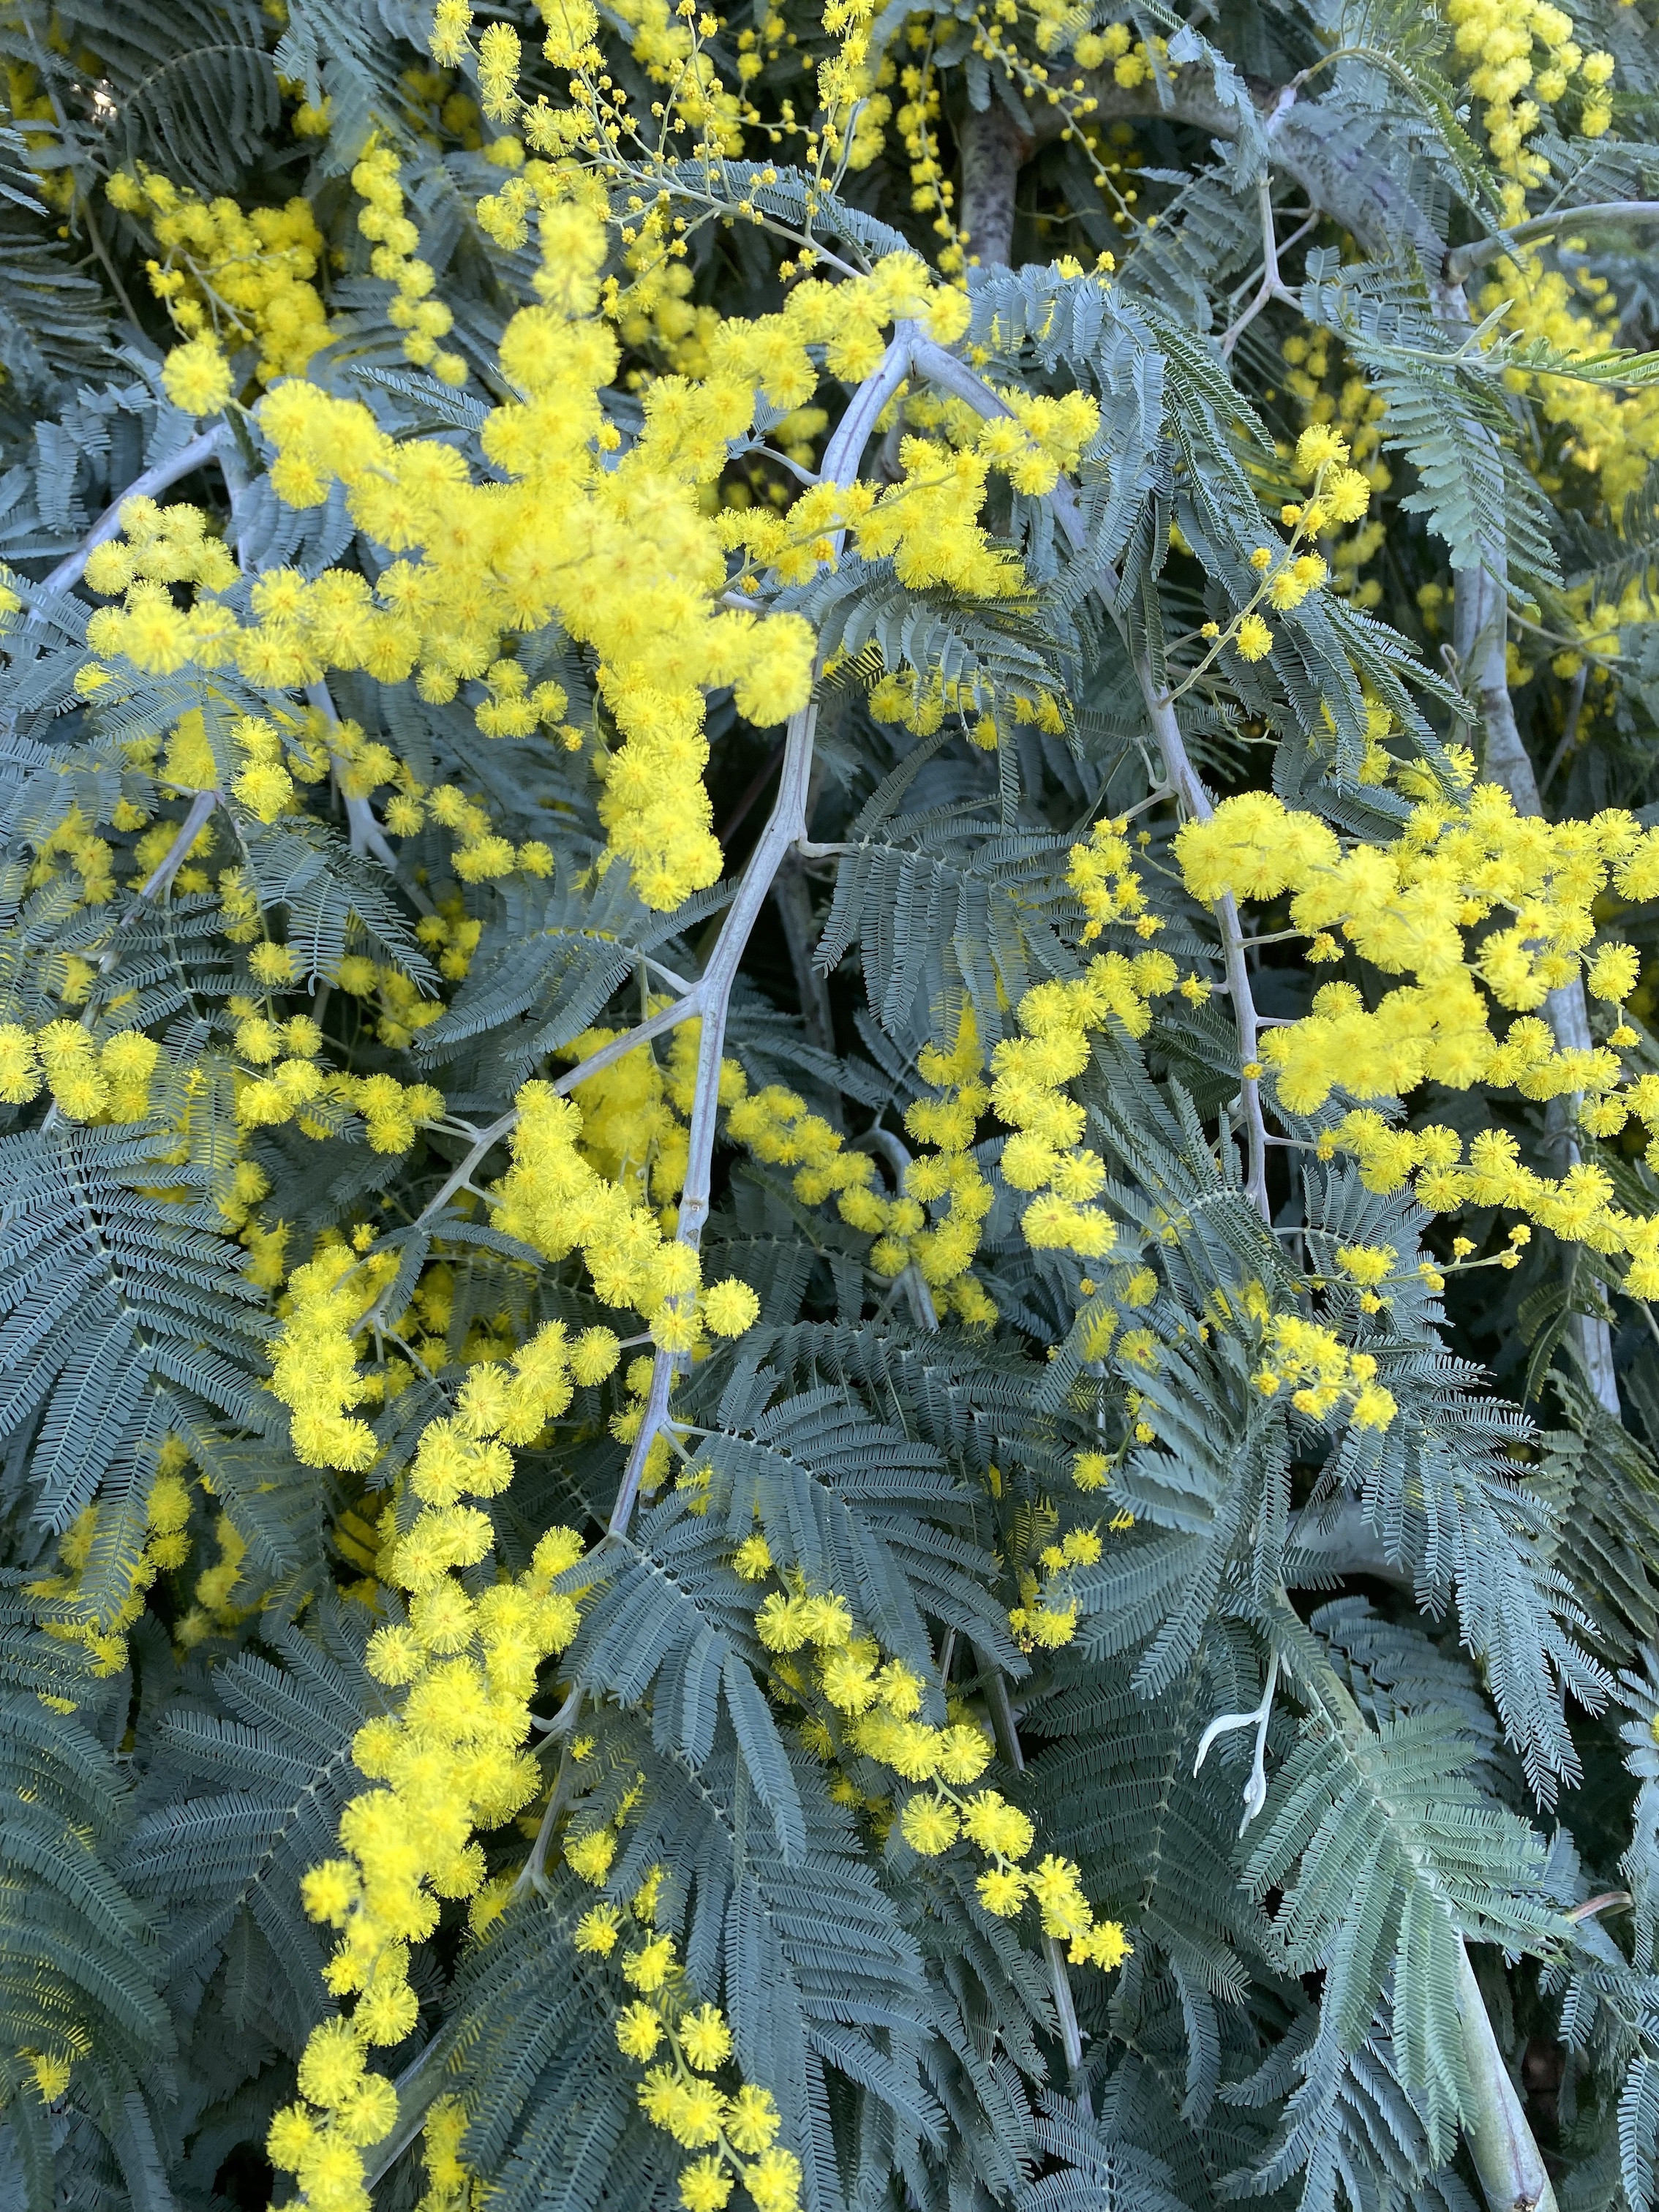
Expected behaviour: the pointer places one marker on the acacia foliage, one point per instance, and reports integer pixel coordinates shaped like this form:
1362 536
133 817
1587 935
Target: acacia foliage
1057 1361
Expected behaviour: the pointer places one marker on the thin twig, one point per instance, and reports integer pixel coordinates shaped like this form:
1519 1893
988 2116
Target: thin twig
1569 735
365 832
1273 286
1179 774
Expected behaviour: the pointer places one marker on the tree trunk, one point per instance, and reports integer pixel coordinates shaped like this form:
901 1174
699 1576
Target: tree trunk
995 148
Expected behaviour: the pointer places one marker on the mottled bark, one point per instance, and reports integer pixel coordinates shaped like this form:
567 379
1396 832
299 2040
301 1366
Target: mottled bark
995 148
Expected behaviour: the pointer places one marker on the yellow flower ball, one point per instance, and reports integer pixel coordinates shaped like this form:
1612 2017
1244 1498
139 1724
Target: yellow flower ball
196 377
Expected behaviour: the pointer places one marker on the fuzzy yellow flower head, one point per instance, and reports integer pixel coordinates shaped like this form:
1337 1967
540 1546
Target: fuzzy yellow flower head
1254 640
196 377
705 2186
730 1306
597 1930
752 2119
639 2031
929 1825
706 2039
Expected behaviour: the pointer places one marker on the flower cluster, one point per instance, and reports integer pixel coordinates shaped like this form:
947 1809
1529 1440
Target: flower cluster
229 277
412 308
1046 1156
1046 1616
103 1630
1338 493
634 1133
444 1762
1521 60
1461 862
88 1081
552 1198
735 2130
1322 1373
928 521
949 1175
1355 412
1609 433
1100 873
872 1708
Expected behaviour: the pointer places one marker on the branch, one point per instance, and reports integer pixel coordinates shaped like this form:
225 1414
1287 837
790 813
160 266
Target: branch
1464 260
944 370
71 569
994 147
365 831
1480 636
1512 2173
1365 200
176 854
1273 287
1259 1717
794 900
785 826
642 1032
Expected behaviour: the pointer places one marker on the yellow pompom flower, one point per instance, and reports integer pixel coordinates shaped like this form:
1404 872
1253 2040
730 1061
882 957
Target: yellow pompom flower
752 2119
730 1306
929 1825
706 2039
639 2031
705 2186
196 377
1002 1890
1254 640
597 1931
1613 974
20 1065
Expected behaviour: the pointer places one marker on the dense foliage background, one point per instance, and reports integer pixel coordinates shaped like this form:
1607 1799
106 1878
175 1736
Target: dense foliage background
1017 639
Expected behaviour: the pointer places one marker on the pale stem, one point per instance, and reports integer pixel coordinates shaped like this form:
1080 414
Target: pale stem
943 368
1256 1788
365 831
189 831
785 826
1464 260
1480 616
1273 286
71 569
667 1017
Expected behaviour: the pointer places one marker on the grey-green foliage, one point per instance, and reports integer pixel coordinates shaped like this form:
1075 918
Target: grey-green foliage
1455 1620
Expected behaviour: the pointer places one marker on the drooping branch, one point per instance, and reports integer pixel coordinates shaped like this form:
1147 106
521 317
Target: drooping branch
944 369
1481 640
